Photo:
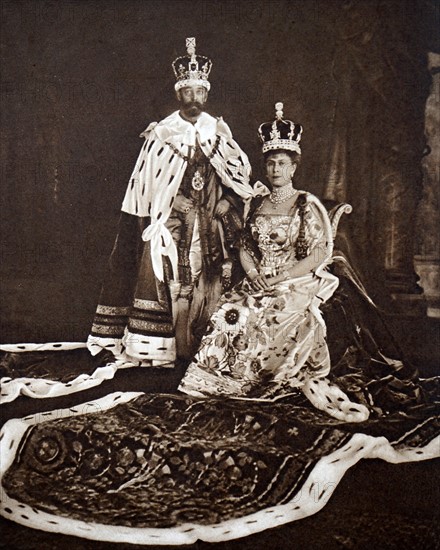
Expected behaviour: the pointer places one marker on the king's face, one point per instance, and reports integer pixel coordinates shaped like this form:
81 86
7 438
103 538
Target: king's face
192 101
193 94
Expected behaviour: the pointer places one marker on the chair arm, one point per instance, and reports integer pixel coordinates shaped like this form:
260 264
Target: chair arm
335 214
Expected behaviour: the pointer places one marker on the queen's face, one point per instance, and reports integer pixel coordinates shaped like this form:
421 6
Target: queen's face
280 169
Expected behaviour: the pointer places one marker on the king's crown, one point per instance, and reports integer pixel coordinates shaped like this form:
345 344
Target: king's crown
192 69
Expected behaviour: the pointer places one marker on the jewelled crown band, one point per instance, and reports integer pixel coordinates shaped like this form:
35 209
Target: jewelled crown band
192 69
280 134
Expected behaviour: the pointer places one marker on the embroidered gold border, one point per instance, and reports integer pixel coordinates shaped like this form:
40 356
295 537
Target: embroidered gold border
107 330
148 304
113 310
148 325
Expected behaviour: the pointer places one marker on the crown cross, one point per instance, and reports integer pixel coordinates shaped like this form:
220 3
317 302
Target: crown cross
191 46
275 134
279 110
292 131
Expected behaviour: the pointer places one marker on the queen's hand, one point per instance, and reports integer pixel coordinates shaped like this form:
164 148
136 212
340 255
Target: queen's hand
283 276
257 280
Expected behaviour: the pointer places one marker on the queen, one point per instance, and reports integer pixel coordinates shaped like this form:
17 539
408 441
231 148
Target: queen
267 337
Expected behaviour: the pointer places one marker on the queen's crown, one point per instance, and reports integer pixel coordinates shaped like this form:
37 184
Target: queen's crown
280 134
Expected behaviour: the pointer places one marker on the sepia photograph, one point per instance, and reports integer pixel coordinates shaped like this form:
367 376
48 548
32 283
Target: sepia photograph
220 274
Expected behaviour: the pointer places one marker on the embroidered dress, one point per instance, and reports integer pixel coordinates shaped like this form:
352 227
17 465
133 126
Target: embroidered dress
265 344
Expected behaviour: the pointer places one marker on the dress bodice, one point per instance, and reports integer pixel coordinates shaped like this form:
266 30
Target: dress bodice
276 236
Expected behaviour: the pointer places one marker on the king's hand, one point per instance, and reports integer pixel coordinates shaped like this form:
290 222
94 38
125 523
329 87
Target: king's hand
182 204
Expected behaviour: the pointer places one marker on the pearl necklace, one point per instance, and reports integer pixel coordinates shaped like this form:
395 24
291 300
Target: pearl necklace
281 194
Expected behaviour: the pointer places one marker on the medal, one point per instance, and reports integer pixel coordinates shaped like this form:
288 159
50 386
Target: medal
197 182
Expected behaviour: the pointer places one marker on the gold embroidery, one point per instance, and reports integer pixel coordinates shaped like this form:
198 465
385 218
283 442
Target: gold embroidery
148 304
108 330
113 310
148 325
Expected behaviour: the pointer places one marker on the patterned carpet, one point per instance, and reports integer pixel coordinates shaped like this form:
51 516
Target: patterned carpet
361 515
376 505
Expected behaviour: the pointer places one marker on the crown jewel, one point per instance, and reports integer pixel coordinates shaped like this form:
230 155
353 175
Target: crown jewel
192 69
280 134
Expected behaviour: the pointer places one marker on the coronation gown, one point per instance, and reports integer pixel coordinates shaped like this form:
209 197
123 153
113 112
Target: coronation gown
264 344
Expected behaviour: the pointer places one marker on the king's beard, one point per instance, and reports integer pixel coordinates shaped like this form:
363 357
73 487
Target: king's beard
193 109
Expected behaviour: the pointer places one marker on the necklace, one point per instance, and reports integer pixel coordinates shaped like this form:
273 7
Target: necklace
281 194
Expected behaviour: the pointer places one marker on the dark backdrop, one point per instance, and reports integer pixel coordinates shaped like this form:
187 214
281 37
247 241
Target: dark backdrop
82 79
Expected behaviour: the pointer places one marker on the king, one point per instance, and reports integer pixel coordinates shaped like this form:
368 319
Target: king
182 214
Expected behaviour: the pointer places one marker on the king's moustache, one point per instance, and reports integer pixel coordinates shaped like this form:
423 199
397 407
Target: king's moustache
194 105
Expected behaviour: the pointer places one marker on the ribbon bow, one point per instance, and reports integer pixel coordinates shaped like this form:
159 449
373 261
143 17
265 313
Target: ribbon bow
162 244
260 190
